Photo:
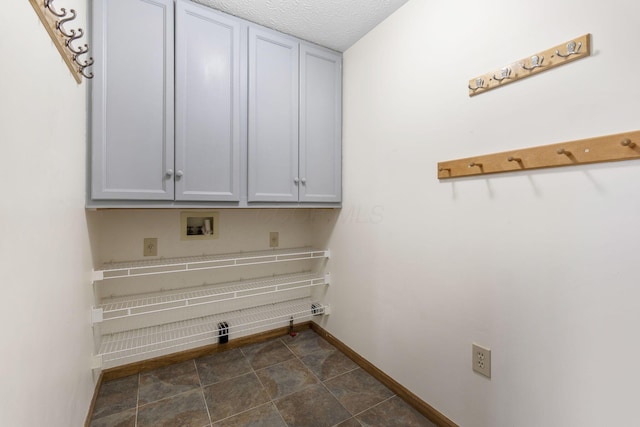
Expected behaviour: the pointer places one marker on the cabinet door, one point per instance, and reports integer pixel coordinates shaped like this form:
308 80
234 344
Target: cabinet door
320 125
208 50
273 117
132 100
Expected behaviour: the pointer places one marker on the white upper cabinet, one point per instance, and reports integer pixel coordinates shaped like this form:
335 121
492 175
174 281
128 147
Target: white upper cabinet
132 115
225 114
295 121
273 117
320 125
208 103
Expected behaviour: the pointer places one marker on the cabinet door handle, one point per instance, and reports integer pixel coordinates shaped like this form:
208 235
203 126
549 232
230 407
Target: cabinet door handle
179 173
169 173
304 181
296 180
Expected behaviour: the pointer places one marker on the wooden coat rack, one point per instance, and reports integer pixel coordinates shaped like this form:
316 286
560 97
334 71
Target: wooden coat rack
54 22
610 148
546 60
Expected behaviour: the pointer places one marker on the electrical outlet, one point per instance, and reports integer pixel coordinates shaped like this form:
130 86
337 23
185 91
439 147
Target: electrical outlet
274 239
150 246
481 358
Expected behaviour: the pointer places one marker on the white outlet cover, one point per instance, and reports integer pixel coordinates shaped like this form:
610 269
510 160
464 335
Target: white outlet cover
481 360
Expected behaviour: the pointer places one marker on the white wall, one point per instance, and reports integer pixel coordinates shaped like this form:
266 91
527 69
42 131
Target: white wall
44 249
540 266
530 264
121 232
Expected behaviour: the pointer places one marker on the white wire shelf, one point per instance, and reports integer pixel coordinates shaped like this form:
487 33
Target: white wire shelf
140 344
114 270
117 308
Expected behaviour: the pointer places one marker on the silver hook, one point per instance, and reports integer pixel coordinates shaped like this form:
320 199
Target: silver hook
49 5
504 74
78 51
571 49
536 62
74 36
86 76
86 64
479 84
82 67
63 21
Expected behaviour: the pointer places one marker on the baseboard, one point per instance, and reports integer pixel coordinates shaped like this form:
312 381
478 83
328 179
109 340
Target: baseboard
87 422
420 405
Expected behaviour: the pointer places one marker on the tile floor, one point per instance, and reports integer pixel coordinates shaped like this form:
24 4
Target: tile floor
289 381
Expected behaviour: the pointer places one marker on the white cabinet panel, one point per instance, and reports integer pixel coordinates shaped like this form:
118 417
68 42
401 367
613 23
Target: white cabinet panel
257 113
273 117
132 116
320 125
208 103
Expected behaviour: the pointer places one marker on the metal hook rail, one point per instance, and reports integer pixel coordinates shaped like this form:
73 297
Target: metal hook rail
534 64
54 21
609 148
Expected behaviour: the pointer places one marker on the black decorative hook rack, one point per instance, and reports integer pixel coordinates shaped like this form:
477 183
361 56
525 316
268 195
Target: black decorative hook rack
64 39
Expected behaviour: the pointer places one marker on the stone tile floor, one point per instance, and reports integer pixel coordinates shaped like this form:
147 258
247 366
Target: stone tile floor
300 381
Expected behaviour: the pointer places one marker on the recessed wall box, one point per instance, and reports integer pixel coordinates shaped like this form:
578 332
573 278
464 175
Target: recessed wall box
199 225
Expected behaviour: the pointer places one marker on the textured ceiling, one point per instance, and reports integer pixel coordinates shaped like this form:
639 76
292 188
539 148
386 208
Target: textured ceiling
336 24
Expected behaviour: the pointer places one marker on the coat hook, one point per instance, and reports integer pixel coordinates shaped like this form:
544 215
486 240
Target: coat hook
536 62
472 164
563 151
627 143
86 64
86 76
479 84
72 37
504 74
49 5
79 51
83 66
514 159
63 21
571 49
444 169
